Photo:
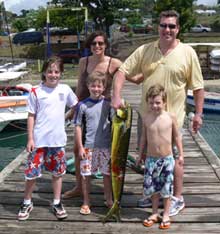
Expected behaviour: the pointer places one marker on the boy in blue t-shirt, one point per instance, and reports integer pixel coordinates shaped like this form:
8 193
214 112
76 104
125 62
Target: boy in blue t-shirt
93 137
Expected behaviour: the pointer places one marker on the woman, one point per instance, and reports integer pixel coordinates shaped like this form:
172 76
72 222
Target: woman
97 42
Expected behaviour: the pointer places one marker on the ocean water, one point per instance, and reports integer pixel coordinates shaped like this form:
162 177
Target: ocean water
13 141
211 131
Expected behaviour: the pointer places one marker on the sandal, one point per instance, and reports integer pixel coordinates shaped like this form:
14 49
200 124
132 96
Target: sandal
150 221
85 210
165 224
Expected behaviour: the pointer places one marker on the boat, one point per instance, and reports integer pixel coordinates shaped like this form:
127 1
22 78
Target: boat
211 101
13 103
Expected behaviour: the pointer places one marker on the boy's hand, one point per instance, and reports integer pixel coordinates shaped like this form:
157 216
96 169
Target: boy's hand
30 146
82 154
140 160
180 160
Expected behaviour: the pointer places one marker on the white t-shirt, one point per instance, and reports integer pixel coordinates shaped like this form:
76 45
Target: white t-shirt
48 105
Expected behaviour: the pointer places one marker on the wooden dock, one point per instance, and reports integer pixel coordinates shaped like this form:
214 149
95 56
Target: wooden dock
201 193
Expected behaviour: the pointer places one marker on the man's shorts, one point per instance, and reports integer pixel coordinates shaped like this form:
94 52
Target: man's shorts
158 176
100 159
51 159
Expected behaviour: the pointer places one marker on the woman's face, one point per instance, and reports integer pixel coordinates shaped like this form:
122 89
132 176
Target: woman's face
98 45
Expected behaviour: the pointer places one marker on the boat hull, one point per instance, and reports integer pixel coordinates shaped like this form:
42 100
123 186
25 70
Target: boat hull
211 104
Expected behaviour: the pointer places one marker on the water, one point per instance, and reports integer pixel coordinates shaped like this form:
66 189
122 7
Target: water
13 141
211 131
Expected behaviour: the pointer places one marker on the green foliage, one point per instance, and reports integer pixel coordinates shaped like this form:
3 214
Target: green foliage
183 7
20 24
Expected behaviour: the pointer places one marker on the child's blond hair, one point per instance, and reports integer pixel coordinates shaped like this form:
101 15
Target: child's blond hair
97 76
156 90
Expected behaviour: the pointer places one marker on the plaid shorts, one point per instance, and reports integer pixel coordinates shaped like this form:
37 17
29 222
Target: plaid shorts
51 159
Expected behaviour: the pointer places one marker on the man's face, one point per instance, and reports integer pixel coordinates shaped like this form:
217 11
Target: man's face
168 29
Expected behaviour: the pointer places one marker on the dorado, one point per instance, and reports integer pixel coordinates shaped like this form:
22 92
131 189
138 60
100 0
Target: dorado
121 129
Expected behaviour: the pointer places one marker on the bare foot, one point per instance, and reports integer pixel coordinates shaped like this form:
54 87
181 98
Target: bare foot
75 192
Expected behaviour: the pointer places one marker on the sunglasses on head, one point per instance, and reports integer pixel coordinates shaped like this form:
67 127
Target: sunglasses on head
100 43
170 26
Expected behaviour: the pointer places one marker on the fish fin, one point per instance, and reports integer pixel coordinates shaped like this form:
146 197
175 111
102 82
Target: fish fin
114 213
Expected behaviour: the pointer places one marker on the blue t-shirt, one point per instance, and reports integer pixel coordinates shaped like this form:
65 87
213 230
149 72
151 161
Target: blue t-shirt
94 116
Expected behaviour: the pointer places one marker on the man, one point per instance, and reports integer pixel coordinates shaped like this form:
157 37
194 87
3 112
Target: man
174 65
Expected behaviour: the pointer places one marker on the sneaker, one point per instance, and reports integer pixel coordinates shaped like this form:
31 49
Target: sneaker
25 211
146 202
177 204
59 211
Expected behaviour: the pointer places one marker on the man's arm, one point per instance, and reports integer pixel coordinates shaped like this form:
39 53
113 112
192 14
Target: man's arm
118 83
199 101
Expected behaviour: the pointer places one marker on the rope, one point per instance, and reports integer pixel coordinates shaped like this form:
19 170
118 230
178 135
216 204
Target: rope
6 138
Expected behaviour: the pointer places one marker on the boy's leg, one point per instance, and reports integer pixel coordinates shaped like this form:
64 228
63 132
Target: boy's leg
86 190
57 186
155 203
166 202
77 190
108 190
153 218
29 187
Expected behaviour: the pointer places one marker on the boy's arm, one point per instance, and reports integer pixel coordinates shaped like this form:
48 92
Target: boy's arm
78 141
177 140
30 125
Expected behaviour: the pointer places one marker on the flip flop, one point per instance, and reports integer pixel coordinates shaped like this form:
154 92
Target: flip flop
150 221
85 210
165 224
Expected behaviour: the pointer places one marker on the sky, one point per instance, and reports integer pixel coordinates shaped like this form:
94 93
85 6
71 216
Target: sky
17 5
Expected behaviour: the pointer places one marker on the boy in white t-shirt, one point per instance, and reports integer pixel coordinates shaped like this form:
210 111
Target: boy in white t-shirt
46 135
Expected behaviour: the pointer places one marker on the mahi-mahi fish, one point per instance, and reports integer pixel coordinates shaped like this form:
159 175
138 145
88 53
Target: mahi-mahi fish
121 128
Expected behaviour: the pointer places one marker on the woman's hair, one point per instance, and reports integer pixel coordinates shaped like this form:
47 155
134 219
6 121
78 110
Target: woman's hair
97 76
93 35
48 63
156 90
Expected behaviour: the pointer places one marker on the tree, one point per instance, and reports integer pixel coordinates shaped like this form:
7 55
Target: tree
183 7
102 12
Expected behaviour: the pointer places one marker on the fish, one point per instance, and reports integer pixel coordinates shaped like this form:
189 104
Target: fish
121 130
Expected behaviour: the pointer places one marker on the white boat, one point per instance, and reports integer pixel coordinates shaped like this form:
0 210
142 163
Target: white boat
13 103
211 101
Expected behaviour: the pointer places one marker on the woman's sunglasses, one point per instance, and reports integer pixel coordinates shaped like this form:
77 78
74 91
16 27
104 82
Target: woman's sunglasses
100 43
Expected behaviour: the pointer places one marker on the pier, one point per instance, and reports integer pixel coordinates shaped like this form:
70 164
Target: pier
201 193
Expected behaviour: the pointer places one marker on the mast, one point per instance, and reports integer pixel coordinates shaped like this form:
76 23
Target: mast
5 20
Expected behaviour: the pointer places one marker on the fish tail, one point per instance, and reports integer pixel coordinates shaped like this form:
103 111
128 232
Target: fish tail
114 213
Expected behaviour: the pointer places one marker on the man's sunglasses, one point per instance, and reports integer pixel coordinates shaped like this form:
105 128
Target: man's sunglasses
170 26
100 43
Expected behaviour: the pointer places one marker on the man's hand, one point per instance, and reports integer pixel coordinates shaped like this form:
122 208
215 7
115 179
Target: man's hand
117 103
197 122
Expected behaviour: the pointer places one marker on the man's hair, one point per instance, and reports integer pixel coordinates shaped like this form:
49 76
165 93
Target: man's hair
97 76
49 62
93 35
170 13
156 90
